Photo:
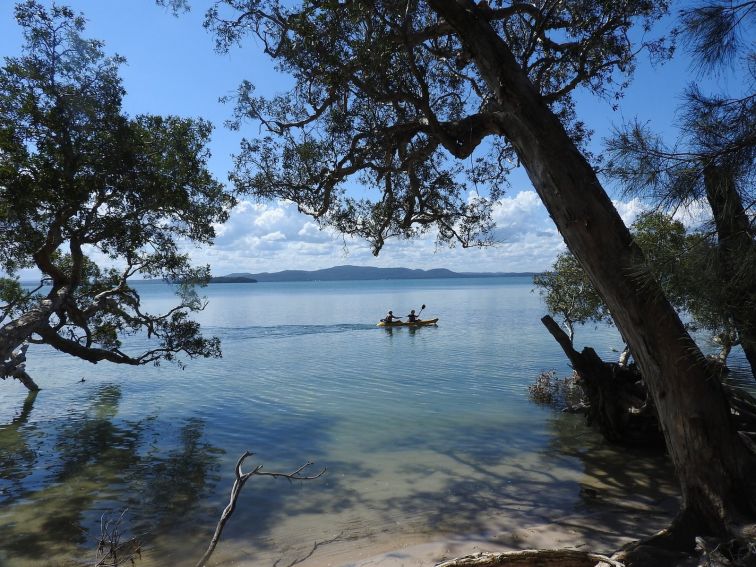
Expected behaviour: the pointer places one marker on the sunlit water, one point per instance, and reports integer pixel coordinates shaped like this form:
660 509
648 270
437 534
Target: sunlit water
424 432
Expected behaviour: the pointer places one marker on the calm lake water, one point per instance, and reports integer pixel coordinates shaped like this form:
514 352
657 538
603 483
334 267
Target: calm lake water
424 433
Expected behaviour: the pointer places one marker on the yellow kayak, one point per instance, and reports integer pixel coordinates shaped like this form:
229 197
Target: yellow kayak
420 323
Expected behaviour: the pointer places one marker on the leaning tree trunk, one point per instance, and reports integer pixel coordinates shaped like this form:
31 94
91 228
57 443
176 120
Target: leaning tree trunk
13 335
736 255
714 467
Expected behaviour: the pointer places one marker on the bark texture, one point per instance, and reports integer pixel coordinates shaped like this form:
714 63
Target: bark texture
13 335
534 558
736 250
714 467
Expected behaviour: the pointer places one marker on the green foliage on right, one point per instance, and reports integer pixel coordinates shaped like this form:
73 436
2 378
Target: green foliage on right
683 262
569 294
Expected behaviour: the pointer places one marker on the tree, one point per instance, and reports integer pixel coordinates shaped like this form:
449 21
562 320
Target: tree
569 293
680 261
713 161
80 177
388 94
684 263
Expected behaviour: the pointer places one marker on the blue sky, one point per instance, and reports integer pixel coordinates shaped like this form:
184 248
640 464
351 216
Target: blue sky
172 69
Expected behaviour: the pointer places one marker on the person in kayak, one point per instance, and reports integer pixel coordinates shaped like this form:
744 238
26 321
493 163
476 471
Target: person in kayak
412 318
390 317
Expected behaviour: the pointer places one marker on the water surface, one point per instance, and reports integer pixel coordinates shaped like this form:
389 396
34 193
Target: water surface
424 432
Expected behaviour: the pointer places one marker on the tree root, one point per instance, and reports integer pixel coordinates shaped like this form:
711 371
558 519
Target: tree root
680 545
533 557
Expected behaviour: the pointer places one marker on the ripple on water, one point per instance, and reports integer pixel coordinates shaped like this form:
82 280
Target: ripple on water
424 432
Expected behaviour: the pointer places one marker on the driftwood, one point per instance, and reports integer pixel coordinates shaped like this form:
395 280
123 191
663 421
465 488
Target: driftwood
241 479
111 550
618 402
534 558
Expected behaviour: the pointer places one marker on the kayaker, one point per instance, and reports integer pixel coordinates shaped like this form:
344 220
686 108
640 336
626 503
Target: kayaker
390 317
412 318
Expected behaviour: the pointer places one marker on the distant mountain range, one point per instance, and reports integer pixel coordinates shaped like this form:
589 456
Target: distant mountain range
341 273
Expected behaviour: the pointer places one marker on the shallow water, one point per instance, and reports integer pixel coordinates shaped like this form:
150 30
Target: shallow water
424 432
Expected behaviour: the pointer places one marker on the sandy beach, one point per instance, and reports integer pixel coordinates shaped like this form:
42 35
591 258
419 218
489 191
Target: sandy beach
600 532
618 502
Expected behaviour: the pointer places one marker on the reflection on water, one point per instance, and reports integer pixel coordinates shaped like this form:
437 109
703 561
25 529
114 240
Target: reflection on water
469 475
17 457
57 484
425 432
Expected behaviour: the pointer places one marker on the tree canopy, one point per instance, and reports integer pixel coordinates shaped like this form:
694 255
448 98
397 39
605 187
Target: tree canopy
82 186
388 98
569 293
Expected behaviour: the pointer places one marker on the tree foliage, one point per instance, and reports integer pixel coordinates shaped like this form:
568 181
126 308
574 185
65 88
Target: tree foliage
80 177
569 294
680 261
386 98
712 162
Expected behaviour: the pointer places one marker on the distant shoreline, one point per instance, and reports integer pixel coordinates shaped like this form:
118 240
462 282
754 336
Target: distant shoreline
341 273
363 273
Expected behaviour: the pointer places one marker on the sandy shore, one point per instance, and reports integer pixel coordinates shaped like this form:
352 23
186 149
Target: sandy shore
573 532
619 521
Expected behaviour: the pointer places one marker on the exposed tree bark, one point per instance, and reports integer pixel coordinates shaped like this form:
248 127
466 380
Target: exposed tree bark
535 558
13 335
624 357
15 367
736 242
714 467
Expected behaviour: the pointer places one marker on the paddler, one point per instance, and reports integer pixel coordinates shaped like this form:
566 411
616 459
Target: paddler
390 317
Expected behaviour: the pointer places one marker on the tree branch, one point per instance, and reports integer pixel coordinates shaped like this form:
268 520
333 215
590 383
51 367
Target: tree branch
241 479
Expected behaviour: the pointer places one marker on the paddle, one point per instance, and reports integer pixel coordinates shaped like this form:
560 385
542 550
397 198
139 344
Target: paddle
417 316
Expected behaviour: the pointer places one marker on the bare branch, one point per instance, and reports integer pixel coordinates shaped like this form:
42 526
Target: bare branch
111 551
241 479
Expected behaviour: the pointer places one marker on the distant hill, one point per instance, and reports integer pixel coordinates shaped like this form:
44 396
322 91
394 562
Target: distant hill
233 279
342 273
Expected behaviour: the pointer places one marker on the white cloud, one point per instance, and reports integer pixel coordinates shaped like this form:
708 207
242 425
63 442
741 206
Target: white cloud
265 237
520 216
275 236
694 215
311 233
269 217
629 210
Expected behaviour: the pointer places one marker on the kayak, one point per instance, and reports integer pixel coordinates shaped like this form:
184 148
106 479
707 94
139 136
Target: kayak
420 323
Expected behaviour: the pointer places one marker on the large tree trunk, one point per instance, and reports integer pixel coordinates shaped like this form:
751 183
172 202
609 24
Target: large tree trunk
714 467
736 255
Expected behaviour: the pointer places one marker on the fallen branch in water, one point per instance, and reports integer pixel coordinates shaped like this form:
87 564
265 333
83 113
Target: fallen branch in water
241 479
111 552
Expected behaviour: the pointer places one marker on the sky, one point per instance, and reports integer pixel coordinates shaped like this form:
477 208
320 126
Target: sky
172 68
